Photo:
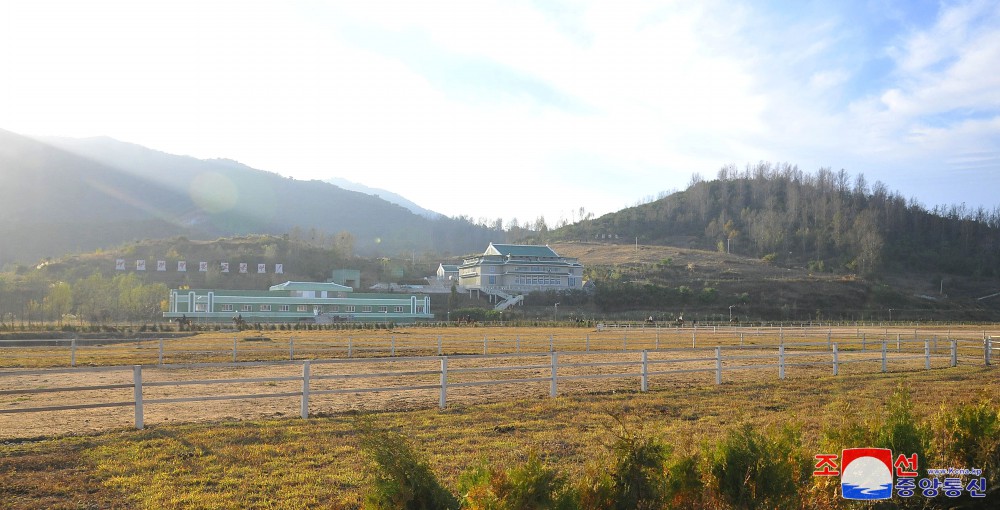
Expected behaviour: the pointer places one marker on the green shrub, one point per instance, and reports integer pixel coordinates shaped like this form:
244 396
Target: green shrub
969 437
529 486
637 478
403 478
753 470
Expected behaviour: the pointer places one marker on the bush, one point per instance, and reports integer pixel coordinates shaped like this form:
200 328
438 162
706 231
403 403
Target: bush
969 437
403 479
532 485
637 478
752 470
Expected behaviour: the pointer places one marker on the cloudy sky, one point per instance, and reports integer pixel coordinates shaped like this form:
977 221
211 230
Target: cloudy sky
524 108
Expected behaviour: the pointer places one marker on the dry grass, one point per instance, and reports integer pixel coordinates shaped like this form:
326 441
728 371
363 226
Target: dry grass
231 462
294 463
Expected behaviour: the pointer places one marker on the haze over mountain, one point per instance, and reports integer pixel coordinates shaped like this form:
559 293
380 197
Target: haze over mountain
386 195
62 195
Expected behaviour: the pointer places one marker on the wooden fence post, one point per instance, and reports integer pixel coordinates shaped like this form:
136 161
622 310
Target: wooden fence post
927 354
350 347
883 357
645 371
554 356
954 353
159 359
781 362
392 345
836 362
718 365
234 349
550 344
444 383
137 393
988 347
305 390
291 348
484 345
72 352
439 345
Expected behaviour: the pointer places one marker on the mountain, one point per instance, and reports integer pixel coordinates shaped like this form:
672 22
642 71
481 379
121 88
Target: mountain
63 195
828 221
385 195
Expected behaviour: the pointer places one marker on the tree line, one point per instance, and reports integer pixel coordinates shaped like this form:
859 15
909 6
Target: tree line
828 220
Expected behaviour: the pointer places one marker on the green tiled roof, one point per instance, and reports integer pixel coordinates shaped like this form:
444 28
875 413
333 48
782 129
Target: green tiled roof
520 250
312 286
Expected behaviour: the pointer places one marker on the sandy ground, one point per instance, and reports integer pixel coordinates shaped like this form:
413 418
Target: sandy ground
338 374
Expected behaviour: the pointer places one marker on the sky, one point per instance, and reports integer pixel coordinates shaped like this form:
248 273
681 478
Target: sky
519 109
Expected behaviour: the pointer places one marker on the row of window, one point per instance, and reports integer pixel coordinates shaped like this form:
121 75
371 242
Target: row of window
536 280
305 308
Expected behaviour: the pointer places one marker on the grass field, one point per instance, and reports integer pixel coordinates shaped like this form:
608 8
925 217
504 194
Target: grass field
295 463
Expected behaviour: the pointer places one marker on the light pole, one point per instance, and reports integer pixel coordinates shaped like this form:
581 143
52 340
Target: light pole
731 313
890 315
555 312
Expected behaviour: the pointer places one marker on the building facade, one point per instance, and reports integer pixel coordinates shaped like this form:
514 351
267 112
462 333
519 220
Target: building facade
447 272
513 268
297 301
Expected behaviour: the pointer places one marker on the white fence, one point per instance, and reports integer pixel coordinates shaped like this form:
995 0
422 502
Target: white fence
162 351
462 371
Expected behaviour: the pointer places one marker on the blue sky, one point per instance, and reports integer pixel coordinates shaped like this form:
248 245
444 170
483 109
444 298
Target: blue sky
516 109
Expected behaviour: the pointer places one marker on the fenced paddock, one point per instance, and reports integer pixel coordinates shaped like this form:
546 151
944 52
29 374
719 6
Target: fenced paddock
40 401
274 346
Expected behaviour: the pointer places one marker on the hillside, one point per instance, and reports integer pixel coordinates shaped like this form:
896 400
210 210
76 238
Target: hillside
65 195
648 277
827 222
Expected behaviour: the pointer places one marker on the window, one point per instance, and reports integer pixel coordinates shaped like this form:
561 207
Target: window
302 308
420 309
366 309
265 308
200 307
227 308
246 308
349 308
334 308
283 308
398 309
493 280
383 309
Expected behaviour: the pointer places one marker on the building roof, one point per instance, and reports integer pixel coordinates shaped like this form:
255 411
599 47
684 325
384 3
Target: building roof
312 286
452 268
520 250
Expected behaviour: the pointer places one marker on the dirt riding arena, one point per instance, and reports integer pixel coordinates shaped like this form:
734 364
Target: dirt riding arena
351 365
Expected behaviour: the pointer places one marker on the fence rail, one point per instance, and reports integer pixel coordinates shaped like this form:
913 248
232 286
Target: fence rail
163 351
509 369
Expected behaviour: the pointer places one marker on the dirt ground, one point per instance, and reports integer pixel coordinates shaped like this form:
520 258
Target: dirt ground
347 380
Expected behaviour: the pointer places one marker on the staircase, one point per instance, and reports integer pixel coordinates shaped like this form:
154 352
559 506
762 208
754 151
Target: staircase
508 300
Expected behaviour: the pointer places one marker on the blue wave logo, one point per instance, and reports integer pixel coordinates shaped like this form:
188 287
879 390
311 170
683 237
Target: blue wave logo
851 491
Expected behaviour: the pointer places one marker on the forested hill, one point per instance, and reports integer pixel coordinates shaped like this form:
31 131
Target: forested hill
75 195
828 220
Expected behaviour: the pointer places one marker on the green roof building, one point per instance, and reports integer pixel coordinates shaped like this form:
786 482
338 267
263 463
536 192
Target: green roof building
515 268
297 301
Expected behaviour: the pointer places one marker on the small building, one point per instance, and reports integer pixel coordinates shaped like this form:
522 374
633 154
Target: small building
447 272
513 268
297 301
347 277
